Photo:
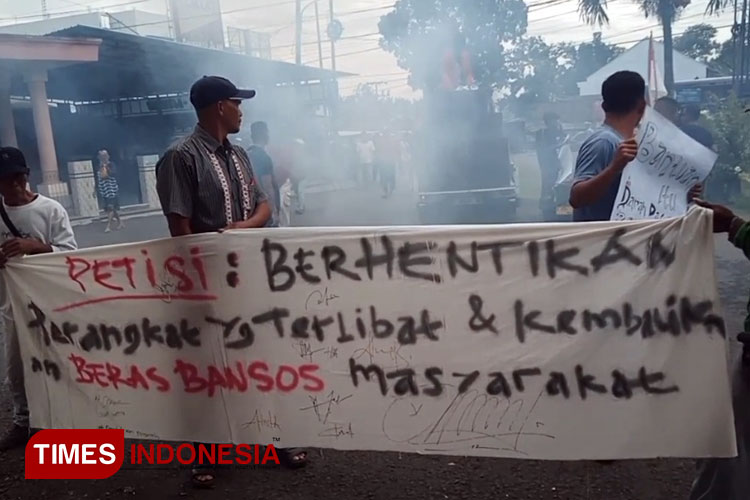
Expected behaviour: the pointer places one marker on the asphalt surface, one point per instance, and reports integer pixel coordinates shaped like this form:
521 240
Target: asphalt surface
392 476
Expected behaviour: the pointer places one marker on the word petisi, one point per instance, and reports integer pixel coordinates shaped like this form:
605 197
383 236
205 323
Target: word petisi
140 272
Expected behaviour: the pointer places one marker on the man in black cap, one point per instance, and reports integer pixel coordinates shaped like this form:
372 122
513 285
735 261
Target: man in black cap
207 184
204 182
30 224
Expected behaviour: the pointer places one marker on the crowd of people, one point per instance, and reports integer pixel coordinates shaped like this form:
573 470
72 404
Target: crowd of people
381 157
208 184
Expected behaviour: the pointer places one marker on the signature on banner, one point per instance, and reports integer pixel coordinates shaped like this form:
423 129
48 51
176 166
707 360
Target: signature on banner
320 298
470 420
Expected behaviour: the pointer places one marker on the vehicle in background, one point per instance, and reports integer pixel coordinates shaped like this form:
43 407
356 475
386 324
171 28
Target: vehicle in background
464 172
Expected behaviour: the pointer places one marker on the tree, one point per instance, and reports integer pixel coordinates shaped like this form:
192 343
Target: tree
698 42
731 130
590 56
539 73
372 109
666 11
542 72
724 61
420 33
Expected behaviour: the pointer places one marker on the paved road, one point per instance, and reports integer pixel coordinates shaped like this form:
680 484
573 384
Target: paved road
391 476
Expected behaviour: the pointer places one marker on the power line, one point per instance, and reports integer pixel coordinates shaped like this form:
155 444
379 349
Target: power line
275 28
71 2
224 12
361 11
315 42
660 37
616 35
346 54
78 11
380 75
553 16
350 84
649 27
546 4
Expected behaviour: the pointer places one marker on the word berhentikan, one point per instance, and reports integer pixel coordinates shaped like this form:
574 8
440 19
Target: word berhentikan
158 454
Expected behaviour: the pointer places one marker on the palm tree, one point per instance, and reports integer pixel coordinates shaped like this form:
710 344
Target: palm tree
666 11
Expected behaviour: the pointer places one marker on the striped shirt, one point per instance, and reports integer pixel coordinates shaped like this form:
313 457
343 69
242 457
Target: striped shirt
108 187
189 186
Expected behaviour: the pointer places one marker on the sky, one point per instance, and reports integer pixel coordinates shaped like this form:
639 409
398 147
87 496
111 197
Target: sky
358 51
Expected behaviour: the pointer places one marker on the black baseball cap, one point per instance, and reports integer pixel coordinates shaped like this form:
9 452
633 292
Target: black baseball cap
212 89
12 162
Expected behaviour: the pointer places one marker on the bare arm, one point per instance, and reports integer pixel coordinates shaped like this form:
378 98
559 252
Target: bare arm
259 218
588 191
266 183
178 225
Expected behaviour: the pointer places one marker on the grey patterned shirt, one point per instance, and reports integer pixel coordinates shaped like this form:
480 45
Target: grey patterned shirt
188 185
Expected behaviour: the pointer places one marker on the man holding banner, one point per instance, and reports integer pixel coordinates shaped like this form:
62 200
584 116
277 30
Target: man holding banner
728 479
206 184
31 224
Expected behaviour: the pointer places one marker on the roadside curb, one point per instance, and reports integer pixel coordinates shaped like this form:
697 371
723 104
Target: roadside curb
317 188
85 221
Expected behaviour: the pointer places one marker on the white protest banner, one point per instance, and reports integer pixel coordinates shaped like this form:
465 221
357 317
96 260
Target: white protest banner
669 163
570 341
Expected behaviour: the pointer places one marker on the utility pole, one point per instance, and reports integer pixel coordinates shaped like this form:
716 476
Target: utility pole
298 31
45 14
333 42
320 40
170 27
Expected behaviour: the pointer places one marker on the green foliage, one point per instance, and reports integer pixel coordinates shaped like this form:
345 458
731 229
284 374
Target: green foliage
698 42
724 61
548 72
538 71
591 56
420 32
730 126
372 109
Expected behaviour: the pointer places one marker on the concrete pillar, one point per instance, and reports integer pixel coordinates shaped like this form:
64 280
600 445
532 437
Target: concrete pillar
37 82
7 123
83 188
51 186
147 177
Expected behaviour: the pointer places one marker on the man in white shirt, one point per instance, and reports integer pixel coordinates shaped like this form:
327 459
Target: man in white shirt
30 224
366 152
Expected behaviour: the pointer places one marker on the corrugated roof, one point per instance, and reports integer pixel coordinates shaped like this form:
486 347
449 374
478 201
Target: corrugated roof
136 66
